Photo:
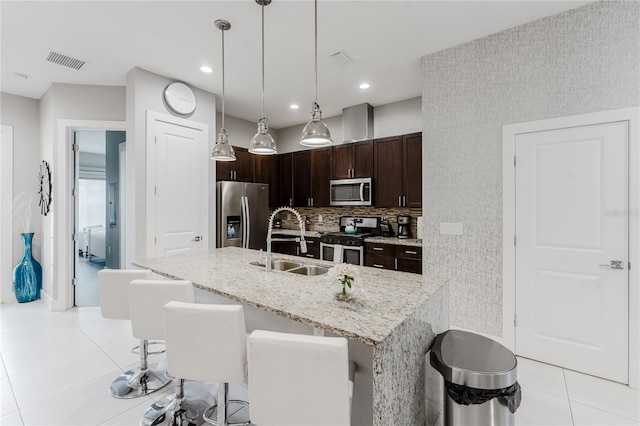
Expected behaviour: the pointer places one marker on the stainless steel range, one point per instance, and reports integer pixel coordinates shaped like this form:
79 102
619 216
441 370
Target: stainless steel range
348 245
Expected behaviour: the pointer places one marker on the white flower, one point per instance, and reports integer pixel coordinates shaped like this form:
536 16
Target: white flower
341 271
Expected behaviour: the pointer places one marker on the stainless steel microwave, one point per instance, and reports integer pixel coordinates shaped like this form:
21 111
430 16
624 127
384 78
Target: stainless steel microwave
351 192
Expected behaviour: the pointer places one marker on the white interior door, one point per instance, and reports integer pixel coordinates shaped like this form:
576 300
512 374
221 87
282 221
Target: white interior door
177 185
571 225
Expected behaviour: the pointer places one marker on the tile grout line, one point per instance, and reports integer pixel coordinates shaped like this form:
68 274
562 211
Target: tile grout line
566 388
12 392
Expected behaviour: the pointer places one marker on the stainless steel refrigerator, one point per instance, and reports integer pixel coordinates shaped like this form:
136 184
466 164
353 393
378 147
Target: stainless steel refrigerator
243 214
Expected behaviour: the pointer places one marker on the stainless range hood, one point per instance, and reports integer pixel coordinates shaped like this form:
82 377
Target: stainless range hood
357 123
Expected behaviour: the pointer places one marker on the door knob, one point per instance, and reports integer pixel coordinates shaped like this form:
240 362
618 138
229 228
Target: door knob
614 264
196 239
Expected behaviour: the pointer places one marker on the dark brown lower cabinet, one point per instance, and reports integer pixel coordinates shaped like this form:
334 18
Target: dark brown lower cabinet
292 248
394 257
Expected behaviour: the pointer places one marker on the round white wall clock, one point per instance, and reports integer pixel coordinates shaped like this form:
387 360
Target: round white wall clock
180 98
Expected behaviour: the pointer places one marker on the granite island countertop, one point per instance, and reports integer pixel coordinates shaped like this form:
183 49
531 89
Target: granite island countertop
384 299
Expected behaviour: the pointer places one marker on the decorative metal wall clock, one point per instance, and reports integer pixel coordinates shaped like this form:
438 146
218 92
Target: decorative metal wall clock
45 187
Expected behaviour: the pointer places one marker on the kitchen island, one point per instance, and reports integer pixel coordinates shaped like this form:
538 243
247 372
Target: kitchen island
395 315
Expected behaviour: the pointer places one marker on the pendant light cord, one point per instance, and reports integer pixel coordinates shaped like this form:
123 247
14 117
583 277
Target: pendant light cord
223 79
315 3
263 60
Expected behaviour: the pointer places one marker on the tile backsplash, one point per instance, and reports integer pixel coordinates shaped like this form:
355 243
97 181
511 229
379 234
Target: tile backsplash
331 217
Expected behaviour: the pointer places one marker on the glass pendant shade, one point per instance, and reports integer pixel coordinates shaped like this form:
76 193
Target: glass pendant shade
316 133
262 143
222 151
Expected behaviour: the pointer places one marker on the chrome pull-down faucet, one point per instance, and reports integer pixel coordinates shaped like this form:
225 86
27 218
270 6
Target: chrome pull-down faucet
303 243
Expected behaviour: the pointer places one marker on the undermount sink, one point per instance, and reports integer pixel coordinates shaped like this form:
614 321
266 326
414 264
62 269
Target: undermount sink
284 265
295 267
310 270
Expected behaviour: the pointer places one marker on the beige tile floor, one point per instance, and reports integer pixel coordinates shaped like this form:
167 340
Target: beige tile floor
55 369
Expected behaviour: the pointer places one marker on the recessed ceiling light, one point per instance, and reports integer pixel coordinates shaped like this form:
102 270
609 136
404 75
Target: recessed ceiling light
364 86
294 106
206 69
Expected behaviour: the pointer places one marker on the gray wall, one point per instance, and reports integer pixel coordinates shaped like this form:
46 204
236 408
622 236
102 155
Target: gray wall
22 114
393 119
580 61
241 131
112 230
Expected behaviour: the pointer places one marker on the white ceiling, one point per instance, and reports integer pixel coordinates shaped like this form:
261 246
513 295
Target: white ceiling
385 39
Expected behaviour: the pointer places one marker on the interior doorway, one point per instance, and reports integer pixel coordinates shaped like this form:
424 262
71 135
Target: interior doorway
97 209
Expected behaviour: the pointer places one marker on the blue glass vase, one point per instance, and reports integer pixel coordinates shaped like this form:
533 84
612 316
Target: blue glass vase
27 275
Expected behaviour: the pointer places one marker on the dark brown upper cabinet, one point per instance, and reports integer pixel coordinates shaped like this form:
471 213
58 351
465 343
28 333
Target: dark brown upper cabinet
311 176
265 170
398 171
352 160
240 170
285 180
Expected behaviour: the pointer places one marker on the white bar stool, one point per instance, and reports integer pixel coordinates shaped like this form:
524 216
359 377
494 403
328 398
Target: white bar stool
298 380
221 354
146 299
113 289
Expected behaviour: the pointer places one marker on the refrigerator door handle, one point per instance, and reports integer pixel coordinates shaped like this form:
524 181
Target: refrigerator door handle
247 220
243 221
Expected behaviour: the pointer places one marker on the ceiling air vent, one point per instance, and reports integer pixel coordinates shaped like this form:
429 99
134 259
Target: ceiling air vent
64 60
340 58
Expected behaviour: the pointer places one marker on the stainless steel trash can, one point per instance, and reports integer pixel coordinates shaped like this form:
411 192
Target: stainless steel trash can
480 376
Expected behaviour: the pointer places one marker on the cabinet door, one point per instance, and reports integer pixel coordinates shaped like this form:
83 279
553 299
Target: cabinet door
285 180
223 170
320 177
412 169
301 178
291 248
362 163
342 161
243 165
265 170
388 165
313 248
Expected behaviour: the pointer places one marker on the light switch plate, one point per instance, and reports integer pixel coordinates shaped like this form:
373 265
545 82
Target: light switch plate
447 228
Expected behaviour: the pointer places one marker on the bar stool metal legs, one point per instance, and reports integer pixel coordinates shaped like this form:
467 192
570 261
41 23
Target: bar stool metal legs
220 414
143 381
181 408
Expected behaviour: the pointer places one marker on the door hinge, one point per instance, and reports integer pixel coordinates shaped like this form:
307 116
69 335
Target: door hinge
514 240
155 190
74 281
514 161
74 192
629 265
74 237
75 147
155 240
515 320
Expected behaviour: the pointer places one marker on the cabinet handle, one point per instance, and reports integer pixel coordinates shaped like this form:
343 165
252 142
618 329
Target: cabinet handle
378 248
309 255
404 201
230 174
375 265
399 200
311 201
410 252
395 263
290 202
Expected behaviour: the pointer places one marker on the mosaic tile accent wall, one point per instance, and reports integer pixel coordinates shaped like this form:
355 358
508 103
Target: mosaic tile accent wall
580 61
331 217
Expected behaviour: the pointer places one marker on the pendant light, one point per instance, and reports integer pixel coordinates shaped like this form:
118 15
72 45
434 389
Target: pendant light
316 133
263 143
222 151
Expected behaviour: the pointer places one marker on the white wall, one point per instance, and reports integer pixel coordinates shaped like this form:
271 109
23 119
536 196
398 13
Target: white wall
144 93
241 131
22 114
393 119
